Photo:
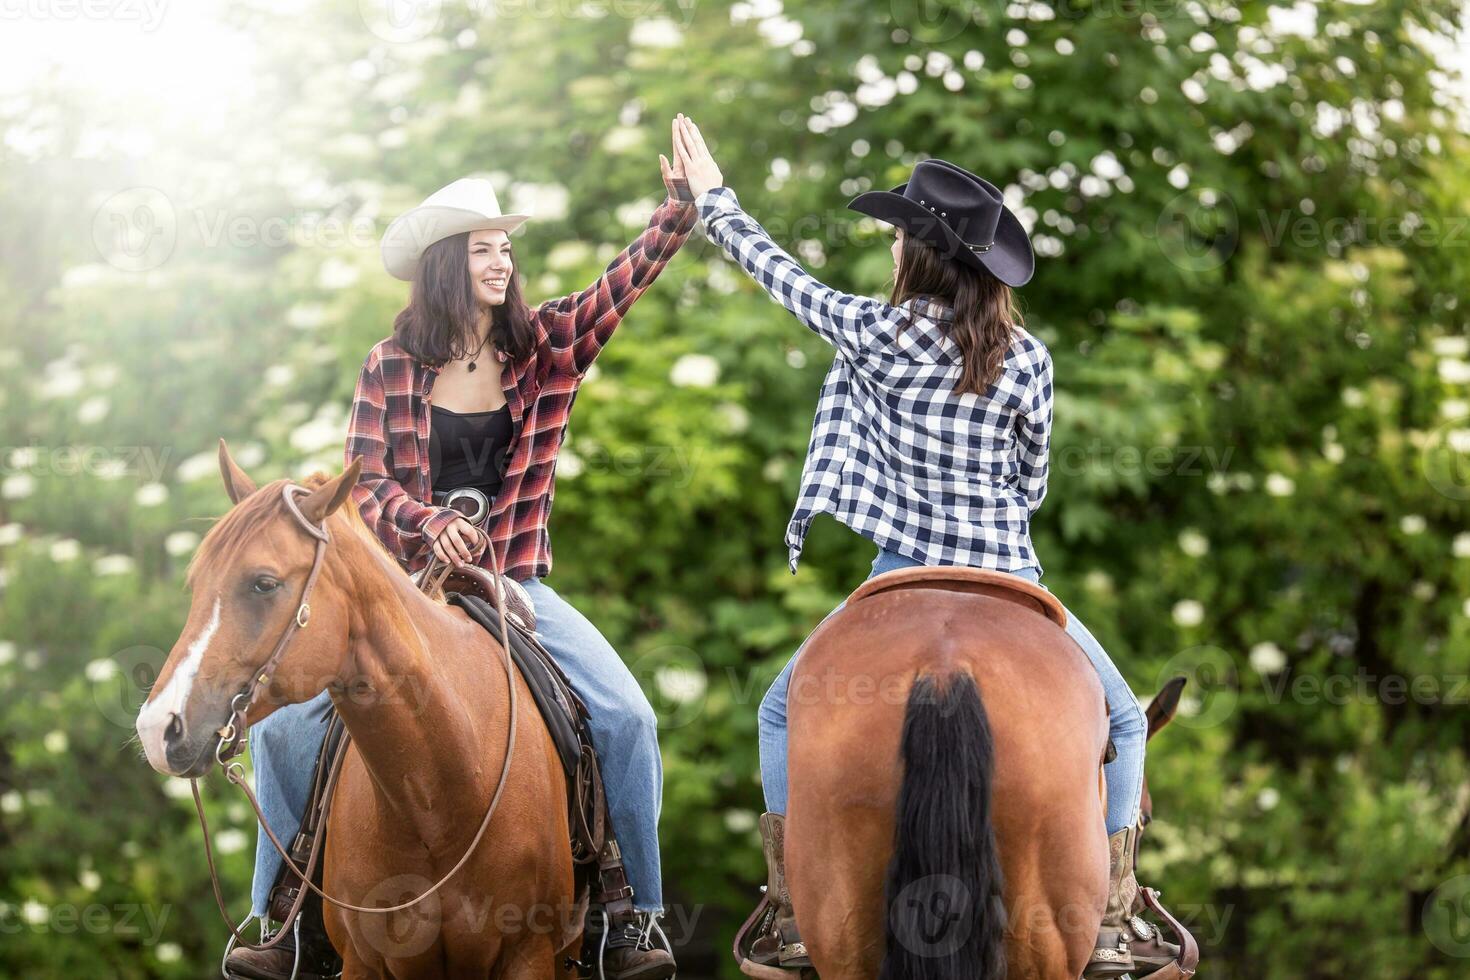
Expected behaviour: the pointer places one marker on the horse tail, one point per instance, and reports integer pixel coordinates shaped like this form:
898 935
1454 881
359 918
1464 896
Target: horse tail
943 894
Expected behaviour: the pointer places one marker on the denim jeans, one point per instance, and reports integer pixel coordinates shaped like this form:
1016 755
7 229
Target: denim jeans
1128 727
284 746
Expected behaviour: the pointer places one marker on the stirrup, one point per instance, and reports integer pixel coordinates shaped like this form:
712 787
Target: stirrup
597 968
757 924
265 936
1188 959
602 942
645 934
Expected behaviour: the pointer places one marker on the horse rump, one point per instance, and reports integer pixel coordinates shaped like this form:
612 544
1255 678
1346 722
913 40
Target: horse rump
946 919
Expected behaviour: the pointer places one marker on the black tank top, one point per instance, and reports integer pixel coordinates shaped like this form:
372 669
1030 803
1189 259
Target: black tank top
467 449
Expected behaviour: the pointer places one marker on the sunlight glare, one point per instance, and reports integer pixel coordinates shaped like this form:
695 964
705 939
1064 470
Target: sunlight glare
180 60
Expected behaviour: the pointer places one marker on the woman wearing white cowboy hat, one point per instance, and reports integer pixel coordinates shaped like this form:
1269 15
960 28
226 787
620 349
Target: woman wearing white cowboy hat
946 366
472 393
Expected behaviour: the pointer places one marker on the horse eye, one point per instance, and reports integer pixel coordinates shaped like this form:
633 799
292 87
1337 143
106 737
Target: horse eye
264 585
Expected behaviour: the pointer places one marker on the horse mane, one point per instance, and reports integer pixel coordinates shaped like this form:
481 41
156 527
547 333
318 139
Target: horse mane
246 519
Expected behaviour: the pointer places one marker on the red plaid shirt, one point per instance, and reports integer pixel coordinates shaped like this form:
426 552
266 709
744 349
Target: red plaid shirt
389 428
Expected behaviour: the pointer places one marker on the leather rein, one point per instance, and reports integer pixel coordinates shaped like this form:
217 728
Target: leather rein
232 743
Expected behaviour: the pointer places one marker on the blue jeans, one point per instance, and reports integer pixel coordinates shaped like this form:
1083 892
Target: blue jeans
1127 726
284 746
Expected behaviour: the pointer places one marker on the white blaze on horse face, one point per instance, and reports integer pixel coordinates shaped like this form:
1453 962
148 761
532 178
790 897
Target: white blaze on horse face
158 711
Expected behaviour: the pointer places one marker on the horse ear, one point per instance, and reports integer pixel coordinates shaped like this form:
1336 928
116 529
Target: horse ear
237 484
325 499
1161 709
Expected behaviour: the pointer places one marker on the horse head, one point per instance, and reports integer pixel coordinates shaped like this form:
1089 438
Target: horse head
1160 712
246 581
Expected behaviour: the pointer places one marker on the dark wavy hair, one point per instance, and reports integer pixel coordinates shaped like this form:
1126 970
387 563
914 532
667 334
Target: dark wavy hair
984 309
439 323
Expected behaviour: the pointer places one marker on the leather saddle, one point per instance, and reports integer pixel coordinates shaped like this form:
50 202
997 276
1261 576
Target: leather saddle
960 578
979 581
565 715
476 581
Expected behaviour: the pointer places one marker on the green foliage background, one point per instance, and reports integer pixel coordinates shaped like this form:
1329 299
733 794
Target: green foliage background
1253 252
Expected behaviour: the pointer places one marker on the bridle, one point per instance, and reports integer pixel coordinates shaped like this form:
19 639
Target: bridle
232 735
232 738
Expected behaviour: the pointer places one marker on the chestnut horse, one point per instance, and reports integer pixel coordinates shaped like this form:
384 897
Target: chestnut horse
984 850
424 698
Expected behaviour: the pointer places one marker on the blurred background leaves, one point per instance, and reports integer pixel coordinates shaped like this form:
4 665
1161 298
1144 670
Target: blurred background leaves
1253 244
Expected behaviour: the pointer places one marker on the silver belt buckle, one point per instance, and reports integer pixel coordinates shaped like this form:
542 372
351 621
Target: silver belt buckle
472 503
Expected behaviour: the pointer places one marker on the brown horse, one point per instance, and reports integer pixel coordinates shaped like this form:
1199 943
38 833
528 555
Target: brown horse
985 849
419 686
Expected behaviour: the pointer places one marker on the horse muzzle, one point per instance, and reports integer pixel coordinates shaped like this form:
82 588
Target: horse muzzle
175 748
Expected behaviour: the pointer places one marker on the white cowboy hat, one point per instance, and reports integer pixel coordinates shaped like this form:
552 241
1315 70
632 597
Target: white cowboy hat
468 204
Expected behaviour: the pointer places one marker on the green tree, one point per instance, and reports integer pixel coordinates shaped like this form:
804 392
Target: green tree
1250 225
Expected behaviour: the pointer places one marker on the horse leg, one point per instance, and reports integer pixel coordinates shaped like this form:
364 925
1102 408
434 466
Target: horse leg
1051 918
1056 886
535 959
1076 879
836 882
1044 955
354 968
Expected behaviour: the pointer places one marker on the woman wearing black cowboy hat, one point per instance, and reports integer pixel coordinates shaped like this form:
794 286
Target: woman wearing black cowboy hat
931 440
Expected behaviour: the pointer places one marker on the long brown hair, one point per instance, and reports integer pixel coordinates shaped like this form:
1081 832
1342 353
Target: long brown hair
984 309
439 323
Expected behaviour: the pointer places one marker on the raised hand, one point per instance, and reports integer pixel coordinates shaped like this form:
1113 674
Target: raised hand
674 179
695 159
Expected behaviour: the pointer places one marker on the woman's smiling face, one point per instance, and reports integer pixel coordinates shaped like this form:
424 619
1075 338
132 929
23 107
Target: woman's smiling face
491 266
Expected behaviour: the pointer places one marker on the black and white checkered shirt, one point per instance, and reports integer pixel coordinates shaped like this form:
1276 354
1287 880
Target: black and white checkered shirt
895 455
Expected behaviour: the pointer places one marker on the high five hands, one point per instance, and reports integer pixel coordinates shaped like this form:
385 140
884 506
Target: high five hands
693 158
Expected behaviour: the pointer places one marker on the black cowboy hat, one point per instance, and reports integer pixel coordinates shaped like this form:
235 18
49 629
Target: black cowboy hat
961 215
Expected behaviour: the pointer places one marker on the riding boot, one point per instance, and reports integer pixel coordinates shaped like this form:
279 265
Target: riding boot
778 944
619 934
318 959
1112 955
